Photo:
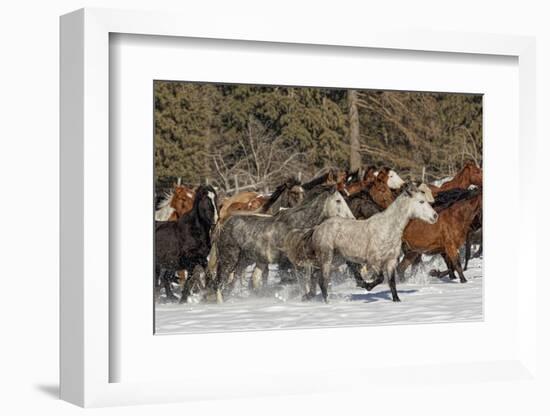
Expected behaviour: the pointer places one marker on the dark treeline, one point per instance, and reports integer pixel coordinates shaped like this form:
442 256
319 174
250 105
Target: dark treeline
256 136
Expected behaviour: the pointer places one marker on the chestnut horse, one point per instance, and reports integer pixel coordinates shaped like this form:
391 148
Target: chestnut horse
175 204
241 199
470 174
444 237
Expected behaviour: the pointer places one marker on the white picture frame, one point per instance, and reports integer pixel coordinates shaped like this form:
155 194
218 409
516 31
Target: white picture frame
86 356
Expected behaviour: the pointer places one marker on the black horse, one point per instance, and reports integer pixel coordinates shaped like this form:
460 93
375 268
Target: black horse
185 244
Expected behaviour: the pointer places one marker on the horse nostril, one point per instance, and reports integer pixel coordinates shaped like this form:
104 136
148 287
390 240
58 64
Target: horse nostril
436 217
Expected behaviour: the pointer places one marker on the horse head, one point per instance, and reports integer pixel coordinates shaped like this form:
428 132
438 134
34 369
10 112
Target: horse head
392 179
206 204
336 206
419 205
380 192
474 173
427 191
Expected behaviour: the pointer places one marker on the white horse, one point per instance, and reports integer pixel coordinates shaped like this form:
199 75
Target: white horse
375 242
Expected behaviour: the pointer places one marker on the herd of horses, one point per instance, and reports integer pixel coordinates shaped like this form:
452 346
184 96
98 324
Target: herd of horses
370 222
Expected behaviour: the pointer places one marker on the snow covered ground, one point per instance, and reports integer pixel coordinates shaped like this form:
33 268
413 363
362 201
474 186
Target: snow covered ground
424 299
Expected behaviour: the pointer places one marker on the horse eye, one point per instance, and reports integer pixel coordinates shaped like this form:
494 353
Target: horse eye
338 201
422 202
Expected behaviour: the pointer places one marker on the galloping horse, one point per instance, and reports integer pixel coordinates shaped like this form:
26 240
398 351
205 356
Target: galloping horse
470 174
375 242
185 244
252 238
445 237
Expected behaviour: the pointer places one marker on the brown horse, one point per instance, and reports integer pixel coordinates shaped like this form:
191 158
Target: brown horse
175 204
470 174
236 202
182 201
381 193
445 237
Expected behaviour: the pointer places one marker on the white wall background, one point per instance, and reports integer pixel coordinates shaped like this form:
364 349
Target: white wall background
29 116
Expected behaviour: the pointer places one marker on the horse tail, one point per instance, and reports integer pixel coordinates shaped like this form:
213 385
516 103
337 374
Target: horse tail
274 196
213 259
213 255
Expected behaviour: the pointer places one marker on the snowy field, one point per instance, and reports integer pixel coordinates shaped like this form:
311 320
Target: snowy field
424 299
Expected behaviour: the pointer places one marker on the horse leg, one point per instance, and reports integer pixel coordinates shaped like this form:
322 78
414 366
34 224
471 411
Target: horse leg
238 275
356 271
166 282
325 279
379 279
455 263
312 286
182 276
468 250
190 282
257 276
156 284
409 258
303 275
265 275
393 286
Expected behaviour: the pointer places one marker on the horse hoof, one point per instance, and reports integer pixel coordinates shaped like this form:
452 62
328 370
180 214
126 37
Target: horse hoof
463 281
307 297
396 300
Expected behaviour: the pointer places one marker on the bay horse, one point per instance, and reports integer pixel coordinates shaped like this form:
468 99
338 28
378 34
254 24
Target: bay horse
175 204
470 174
249 238
444 237
185 244
375 242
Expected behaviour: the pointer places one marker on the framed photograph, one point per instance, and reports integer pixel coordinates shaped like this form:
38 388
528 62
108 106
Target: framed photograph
265 212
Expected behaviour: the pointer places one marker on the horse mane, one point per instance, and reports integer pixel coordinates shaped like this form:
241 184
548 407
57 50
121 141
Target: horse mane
250 214
166 199
312 198
353 176
288 184
319 180
445 199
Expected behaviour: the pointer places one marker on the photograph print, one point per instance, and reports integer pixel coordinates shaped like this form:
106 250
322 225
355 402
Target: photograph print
284 207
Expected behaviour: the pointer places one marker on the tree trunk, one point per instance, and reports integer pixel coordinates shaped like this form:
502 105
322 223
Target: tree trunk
354 156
